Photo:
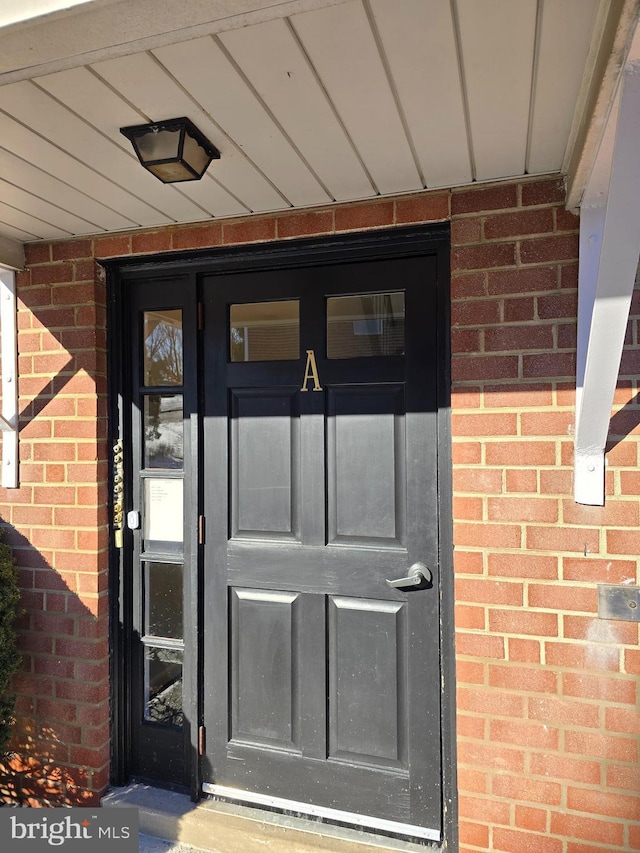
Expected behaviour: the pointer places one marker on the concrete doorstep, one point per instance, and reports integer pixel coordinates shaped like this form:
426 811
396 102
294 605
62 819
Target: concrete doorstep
171 823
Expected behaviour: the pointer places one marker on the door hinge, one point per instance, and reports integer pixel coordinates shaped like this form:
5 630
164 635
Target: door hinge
201 530
201 740
200 316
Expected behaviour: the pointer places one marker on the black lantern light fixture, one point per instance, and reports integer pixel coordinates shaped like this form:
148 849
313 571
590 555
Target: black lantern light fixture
173 150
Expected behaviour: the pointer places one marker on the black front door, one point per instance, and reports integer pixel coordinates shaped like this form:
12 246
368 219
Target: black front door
277 528
321 611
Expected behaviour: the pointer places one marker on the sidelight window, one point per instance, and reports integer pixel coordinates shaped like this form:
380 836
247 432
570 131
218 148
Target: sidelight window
161 410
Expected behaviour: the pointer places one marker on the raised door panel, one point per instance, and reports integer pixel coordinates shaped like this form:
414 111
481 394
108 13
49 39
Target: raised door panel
367 681
265 694
265 464
366 466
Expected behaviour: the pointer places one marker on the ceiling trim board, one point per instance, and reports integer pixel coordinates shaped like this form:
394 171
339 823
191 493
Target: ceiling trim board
11 254
611 42
106 33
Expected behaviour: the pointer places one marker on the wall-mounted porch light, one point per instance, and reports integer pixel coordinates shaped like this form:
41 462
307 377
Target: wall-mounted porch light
172 150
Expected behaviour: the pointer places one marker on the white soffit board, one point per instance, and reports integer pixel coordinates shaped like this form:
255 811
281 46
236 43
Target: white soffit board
307 100
341 45
88 96
270 57
84 94
156 94
237 109
31 105
143 82
11 232
56 222
497 38
419 44
26 226
563 46
25 143
39 183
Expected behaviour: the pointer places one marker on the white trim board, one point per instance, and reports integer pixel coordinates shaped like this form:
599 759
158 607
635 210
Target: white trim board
609 253
9 368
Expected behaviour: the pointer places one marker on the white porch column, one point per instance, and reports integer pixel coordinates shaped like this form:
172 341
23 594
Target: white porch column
9 369
609 251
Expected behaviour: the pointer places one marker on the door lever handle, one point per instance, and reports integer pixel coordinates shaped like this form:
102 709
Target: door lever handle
418 574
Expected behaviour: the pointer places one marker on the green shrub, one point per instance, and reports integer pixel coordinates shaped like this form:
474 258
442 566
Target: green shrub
9 655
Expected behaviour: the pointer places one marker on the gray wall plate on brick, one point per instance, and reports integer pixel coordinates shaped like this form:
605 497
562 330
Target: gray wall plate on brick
619 602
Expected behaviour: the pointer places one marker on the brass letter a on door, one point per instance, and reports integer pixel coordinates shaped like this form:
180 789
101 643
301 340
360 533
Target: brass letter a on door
311 372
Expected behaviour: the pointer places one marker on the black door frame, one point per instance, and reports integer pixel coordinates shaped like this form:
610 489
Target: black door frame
396 243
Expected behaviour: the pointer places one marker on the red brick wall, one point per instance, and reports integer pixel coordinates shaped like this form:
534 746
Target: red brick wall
56 523
548 723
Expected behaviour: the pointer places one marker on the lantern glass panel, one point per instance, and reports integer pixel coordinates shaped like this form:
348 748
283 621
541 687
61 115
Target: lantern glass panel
194 154
158 145
171 173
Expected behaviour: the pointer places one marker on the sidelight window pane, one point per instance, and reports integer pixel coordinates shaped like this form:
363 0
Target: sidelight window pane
163 600
163 685
371 324
163 431
162 355
265 331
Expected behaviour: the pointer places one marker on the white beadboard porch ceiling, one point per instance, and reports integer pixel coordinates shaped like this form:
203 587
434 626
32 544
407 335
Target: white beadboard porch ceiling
308 102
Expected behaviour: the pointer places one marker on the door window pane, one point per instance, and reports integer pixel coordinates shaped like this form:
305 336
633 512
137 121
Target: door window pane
265 331
163 347
163 503
163 685
163 431
163 600
371 324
